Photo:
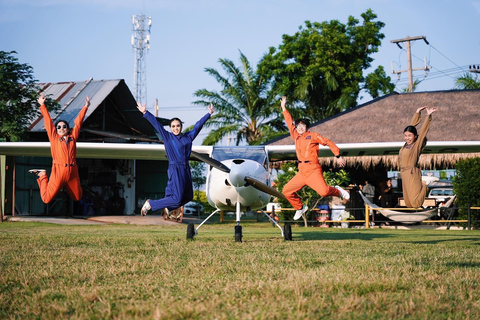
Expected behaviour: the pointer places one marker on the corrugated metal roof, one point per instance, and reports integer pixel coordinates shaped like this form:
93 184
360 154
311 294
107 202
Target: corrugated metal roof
71 97
117 112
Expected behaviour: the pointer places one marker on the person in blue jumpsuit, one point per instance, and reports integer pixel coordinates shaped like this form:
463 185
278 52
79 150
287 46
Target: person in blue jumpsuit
178 147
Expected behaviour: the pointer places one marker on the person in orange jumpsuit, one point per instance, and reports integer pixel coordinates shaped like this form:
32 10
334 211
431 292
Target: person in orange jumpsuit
309 170
63 146
414 190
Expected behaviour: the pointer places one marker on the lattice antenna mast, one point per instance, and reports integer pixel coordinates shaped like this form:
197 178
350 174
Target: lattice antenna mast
141 44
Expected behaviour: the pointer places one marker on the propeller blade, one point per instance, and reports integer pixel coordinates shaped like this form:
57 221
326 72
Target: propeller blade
264 188
214 163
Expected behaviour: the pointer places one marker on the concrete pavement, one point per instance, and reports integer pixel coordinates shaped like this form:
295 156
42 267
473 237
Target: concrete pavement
98 220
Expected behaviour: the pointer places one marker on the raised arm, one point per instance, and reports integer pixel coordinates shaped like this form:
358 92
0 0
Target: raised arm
422 133
79 119
199 125
47 120
153 121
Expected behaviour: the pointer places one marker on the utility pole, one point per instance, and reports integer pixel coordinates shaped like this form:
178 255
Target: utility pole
408 39
141 44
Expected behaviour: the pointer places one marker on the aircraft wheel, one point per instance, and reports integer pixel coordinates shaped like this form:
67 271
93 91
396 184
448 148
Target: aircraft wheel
190 231
287 232
238 233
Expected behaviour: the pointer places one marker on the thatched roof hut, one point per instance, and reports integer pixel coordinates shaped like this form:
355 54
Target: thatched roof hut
384 119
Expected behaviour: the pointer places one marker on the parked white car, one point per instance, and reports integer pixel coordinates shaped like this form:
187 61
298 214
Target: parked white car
192 208
441 194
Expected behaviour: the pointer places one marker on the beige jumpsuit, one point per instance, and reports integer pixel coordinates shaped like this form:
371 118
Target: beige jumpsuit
414 191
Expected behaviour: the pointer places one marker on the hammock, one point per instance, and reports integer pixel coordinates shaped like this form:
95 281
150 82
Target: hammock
407 217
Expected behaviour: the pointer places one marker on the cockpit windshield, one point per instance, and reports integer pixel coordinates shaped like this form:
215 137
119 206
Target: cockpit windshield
256 153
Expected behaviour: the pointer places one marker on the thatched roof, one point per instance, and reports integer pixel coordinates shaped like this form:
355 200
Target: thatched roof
384 119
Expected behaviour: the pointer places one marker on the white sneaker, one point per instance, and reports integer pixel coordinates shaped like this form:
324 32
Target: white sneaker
343 193
299 213
145 208
36 171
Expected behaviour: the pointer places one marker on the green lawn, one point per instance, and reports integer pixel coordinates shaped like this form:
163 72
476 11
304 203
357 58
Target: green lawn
152 272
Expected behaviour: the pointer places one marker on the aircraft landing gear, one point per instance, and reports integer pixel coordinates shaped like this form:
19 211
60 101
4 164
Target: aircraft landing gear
287 232
190 231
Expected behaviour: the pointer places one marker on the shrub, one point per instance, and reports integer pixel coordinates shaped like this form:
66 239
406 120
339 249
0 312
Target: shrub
466 185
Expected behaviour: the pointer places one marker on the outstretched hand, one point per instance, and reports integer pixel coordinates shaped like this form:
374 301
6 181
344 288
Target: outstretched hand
211 109
142 109
283 103
41 100
421 108
87 102
431 110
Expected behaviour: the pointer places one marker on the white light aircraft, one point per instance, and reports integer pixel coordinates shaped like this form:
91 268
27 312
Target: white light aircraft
238 177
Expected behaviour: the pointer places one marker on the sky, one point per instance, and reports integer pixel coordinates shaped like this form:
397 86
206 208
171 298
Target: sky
74 40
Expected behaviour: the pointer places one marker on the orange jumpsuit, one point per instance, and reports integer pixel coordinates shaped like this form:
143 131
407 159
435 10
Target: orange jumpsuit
414 191
310 172
64 164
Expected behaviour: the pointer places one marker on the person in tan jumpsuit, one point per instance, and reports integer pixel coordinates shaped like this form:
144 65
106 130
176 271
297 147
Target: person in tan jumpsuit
414 190
64 154
310 172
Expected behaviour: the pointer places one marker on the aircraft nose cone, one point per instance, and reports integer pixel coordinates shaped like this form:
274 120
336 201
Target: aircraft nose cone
237 175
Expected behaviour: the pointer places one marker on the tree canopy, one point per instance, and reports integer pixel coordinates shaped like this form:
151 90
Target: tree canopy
467 81
18 95
245 107
322 65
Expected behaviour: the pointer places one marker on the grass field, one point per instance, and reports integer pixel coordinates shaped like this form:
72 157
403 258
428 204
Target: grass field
152 272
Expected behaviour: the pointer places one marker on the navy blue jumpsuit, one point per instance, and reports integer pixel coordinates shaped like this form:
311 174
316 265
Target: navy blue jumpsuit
179 189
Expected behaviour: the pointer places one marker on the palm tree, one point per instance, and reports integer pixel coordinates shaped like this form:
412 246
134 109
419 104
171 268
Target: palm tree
244 107
467 81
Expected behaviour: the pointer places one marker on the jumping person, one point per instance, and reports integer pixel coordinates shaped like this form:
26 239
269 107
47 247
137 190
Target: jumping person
63 145
310 172
178 147
414 190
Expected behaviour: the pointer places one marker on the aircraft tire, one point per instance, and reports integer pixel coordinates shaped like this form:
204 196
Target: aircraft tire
287 232
190 231
238 233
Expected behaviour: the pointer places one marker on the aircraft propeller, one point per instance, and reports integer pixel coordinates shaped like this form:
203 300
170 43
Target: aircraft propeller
264 188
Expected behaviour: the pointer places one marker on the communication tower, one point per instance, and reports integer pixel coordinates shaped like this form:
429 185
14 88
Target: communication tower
141 44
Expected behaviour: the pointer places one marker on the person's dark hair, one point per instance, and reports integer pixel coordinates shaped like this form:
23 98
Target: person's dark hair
173 119
305 121
58 121
411 129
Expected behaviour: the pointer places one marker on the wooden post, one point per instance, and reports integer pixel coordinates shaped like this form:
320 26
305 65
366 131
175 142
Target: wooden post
367 216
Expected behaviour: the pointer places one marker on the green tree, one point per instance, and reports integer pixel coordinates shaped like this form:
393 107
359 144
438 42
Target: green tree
466 185
18 94
198 178
414 87
308 195
378 83
467 81
244 107
322 65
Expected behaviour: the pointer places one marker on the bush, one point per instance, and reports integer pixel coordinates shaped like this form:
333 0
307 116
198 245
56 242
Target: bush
466 185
